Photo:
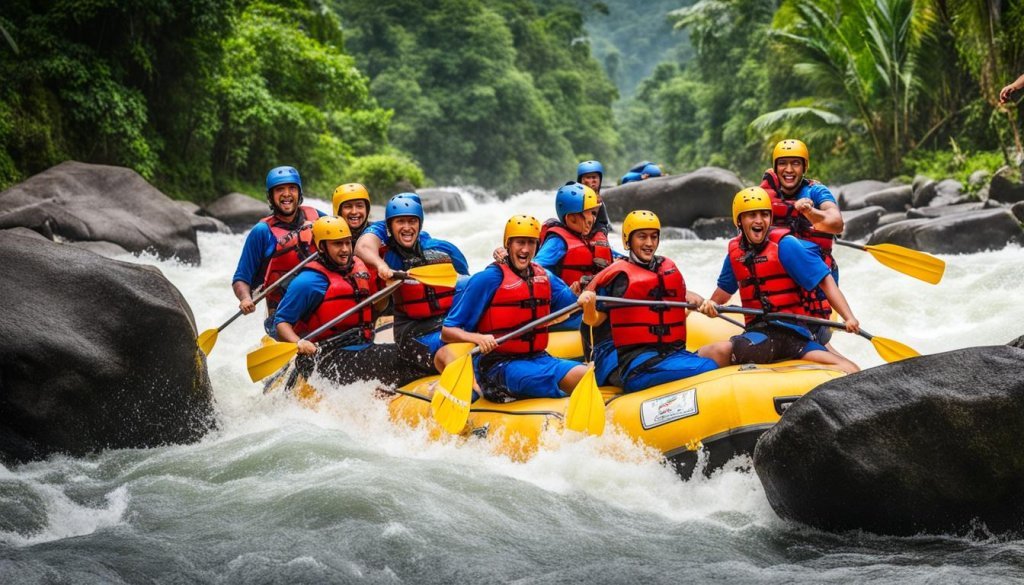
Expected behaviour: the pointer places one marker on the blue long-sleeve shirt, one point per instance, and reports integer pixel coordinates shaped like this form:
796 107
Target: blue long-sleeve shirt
259 245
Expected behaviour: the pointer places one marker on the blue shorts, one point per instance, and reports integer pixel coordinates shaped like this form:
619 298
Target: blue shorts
774 344
606 361
432 341
650 369
531 377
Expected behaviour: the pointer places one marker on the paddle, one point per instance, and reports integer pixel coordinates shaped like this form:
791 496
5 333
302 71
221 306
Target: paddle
207 339
450 404
682 305
889 349
586 406
920 265
270 358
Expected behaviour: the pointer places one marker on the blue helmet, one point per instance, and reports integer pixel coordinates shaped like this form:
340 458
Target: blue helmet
403 204
638 167
573 197
589 166
283 176
651 170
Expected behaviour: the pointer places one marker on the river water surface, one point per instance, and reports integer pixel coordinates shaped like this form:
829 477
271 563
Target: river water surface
284 494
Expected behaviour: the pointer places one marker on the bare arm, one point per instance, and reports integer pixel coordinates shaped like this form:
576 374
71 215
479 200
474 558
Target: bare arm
828 219
285 332
243 292
368 250
838 301
717 298
486 342
1007 92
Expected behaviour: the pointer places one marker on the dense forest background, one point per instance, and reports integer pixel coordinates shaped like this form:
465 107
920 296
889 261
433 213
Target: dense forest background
203 96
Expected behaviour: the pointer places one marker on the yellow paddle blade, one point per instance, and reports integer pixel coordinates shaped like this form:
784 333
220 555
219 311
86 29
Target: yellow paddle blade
920 265
586 406
435 274
206 340
452 395
269 359
891 350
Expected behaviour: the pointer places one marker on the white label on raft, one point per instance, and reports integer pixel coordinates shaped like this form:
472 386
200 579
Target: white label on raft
665 409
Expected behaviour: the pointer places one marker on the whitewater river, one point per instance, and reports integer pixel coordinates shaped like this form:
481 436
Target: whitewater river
283 494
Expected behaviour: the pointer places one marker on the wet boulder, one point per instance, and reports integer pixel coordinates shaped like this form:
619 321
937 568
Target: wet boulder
891 199
1006 190
924 193
947 192
851 195
678 200
441 200
961 233
933 212
859 223
94 353
929 444
85 202
714 227
1018 211
238 211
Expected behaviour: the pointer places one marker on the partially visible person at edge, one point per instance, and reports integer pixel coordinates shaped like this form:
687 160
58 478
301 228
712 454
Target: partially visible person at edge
419 308
774 272
500 299
1007 92
351 202
641 172
637 347
276 244
806 209
325 288
589 173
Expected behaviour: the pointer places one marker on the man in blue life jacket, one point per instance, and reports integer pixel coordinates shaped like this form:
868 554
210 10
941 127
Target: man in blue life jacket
500 299
276 244
774 273
351 202
637 347
807 210
419 308
640 172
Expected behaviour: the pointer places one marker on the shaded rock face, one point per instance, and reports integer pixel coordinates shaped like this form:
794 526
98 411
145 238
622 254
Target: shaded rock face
716 227
961 233
859 223
84 202
238 211
1005 190
851 196
440 200
891 199
929 444
678 200
94 353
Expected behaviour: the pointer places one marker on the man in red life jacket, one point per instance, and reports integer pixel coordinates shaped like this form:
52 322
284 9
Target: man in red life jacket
276 244
568 246
326 288
500 299
642 346
351 202
773 272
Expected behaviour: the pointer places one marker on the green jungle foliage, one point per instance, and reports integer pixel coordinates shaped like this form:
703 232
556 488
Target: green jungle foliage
502 94
204 96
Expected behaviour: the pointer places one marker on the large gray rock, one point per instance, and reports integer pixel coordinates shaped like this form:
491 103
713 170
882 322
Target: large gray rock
238 211
94 354
859 223
84 202
930 444
924 193
933 212
851 196
962 233
714 228
441 200
105 249
947 192
891 218
1005 190
892 199
1018 211
678 200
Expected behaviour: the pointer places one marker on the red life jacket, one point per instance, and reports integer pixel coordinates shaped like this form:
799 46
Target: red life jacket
516 302
293 246
786 217
635 325
344 291
415 300
764 282
584 256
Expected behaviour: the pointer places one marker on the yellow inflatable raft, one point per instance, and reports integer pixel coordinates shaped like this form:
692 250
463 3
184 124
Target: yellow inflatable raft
723 411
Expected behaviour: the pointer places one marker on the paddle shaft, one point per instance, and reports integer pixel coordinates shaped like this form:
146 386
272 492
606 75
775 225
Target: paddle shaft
264 292
372 298
531 325
639 302
793 317
850 244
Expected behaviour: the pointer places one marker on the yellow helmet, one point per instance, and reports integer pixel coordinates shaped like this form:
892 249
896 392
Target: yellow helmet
749 199
330 228
791 147
590 198
350 192
638 220
521 226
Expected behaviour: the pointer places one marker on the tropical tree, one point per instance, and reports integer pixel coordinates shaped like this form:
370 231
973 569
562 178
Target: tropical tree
864 61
